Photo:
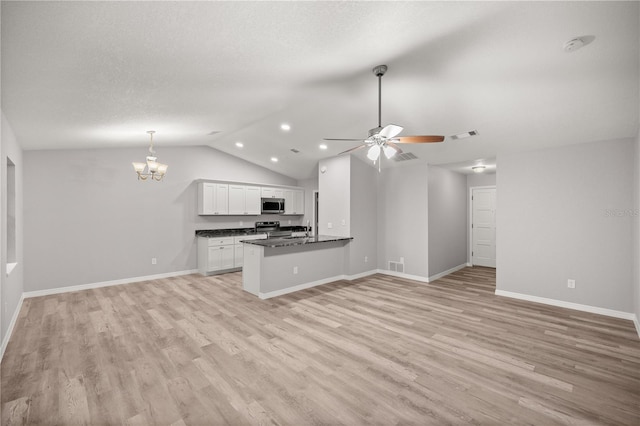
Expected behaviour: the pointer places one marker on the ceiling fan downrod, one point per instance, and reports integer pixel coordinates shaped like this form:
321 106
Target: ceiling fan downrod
379 72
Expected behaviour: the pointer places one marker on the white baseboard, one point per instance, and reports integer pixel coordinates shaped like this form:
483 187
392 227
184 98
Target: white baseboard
305 286
403 275
447 272
47 292
14 319
299 287
570 305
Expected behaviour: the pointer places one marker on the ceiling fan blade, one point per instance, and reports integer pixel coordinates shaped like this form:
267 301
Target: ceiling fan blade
390 130
341 139
418 139
354 149
394 146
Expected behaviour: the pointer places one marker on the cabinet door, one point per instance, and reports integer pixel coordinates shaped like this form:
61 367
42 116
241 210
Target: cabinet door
298 202
237 199
288 201
206 198
221 199
252 200
238 255
220 257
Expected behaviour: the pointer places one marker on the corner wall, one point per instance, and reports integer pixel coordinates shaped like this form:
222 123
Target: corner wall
11 287
561 215
89 220
364 218
447 216
403 230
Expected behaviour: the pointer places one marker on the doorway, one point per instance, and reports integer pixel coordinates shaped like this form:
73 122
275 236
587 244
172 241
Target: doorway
483 226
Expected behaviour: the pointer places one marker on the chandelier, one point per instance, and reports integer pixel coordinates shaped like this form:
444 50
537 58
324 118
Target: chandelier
155 170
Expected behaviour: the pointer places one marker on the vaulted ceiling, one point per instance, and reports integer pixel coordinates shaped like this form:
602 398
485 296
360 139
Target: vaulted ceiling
100 74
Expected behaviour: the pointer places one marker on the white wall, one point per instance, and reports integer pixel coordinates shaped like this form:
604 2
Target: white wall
335 196
309 186
11 287
481 179
88 219
447 215
364 218
557 218
402 218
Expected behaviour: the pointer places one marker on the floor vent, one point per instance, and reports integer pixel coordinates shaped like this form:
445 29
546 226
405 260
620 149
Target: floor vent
404 156
396 266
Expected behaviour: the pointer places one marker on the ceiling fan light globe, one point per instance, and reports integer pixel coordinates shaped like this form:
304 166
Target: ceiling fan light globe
374 153
389 151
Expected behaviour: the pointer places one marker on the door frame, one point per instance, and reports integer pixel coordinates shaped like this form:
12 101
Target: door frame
314 204
470 221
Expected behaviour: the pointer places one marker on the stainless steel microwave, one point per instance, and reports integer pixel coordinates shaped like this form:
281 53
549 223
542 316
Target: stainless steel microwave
272 205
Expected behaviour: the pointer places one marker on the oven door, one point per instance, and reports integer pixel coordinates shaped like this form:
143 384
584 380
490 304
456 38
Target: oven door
272 206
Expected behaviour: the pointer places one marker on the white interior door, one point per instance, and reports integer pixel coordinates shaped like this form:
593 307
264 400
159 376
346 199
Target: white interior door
483 227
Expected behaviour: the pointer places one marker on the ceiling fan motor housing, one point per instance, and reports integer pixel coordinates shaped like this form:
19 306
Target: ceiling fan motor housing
379 70
375 131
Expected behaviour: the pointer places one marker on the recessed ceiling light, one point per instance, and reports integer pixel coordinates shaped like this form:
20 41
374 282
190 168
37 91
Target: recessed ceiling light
239 144
323 146
465 134
478 169
274 159
286 127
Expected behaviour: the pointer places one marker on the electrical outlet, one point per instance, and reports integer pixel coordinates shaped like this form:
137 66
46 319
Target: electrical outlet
295 270
241 223
571 283
154 260
402 260
329 225
289 222
366 259
344 222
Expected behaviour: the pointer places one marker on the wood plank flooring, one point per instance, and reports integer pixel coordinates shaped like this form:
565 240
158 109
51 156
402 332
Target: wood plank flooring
198 350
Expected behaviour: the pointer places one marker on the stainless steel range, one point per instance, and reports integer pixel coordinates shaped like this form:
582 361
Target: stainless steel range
272 229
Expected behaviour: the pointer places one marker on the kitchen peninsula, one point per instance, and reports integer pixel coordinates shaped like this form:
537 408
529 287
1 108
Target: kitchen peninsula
277 266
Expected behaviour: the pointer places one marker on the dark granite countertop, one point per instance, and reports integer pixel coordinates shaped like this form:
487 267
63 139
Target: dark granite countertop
296 241
233 232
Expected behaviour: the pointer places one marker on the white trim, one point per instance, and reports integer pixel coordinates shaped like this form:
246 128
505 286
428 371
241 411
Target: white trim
361 275
447 272
299 287
12 324
47 292
637 324
305 286
569 305
403 275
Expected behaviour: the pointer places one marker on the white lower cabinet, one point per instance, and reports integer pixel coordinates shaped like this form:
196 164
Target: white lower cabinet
222 253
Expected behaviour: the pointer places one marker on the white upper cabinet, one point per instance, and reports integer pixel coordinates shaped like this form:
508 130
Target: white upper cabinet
213 198
244 200
228 198
272 192
293 201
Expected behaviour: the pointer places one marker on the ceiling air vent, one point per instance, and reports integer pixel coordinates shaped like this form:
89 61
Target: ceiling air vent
295 151
404 156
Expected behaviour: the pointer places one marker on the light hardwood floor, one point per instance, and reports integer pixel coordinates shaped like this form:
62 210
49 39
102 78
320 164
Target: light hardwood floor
381 350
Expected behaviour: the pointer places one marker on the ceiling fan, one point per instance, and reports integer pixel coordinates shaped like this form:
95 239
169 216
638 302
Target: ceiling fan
385 139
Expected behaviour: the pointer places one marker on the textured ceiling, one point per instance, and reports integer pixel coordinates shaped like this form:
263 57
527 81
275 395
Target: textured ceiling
99 74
